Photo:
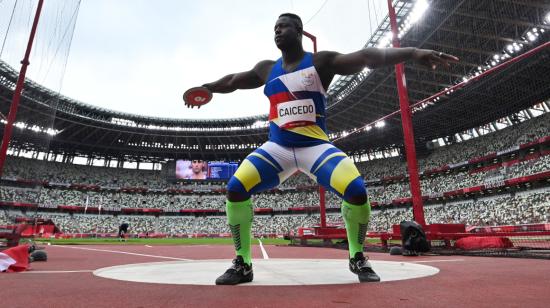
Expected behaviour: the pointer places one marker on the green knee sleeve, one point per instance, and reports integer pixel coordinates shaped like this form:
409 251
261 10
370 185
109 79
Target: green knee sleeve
356 218
239 217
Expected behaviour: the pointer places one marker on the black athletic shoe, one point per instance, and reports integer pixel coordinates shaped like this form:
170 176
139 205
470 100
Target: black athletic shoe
361 266
238 273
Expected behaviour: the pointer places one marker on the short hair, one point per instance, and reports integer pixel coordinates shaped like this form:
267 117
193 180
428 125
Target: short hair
296 19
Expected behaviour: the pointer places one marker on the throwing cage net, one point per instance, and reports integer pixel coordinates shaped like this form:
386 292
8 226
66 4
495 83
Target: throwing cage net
24 197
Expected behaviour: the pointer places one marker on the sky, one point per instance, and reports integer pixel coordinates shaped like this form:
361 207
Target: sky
139 56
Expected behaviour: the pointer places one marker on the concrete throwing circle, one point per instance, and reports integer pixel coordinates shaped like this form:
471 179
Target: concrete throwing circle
271 272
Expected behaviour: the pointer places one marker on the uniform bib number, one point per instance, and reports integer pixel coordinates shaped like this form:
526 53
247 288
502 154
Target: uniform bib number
296 113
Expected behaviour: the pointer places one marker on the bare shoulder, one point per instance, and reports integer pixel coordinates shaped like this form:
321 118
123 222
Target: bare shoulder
325 55
263 68
323 58
264 64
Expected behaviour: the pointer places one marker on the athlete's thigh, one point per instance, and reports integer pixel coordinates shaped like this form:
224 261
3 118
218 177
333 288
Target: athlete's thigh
263 169
332 168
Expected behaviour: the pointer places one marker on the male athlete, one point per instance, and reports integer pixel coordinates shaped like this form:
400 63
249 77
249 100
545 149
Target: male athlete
197 168
296 87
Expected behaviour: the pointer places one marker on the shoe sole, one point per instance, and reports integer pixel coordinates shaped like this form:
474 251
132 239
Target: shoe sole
369 280
364 280
244 280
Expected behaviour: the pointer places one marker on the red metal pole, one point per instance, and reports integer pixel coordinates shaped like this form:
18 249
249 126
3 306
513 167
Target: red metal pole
18 88
322 206
414 180
312 38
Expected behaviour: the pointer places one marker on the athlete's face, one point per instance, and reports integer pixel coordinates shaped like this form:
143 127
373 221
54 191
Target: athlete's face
197 165
286 33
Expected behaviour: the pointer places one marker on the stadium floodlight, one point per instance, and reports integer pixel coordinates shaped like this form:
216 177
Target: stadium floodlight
260 123
380 124
510 48
419 9
496 57
547 19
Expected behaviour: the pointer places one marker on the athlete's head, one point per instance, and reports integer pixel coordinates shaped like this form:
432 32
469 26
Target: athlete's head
288 31
197 166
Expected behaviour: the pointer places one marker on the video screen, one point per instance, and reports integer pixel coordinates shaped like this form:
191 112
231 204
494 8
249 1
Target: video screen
203 170
221 170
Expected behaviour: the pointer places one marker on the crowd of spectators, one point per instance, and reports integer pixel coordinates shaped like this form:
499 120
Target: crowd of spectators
63 173
439 184
506 138
522 208
47 197
4 218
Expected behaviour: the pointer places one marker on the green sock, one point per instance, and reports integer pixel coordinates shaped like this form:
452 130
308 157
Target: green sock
356 218
239 217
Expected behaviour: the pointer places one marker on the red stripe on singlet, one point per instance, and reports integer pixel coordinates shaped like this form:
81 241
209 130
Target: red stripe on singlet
276 99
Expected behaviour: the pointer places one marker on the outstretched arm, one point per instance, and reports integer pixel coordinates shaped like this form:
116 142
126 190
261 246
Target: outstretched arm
251 79
346 64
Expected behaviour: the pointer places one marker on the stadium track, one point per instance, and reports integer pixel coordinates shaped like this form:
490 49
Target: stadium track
462 281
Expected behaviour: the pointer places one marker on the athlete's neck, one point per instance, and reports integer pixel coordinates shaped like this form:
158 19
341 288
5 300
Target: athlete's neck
292 55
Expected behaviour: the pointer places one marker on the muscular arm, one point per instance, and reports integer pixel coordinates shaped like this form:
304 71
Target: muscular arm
346 64
254 78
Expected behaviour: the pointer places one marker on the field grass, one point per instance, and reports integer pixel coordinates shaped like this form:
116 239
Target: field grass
155 241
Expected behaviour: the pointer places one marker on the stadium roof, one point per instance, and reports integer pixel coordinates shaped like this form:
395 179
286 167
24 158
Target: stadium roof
474 30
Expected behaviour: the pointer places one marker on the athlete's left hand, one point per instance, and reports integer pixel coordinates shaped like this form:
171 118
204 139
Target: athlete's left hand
432 58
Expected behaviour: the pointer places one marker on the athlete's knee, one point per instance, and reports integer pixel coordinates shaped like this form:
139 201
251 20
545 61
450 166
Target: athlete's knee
357 200
235 191
234 196
356 193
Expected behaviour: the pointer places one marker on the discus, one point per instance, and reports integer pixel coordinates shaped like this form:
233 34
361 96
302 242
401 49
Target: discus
197 96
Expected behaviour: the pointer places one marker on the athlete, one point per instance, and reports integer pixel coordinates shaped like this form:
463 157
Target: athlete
296 87
197 168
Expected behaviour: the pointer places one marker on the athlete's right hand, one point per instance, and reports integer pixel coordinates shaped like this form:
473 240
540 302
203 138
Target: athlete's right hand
433 59
197 96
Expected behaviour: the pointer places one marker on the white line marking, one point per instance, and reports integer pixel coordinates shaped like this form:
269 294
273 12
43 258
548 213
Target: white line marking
57 272
123 252
148 246
264 253
434 261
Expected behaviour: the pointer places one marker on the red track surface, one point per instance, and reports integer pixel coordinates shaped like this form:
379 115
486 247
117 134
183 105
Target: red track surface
468 282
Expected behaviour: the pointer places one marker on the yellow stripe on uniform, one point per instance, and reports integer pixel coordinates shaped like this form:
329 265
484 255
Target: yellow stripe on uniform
312 131
265 159
248 175
327 158
342 175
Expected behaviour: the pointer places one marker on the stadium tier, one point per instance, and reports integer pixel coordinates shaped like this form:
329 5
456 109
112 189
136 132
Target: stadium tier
74 194
481 133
